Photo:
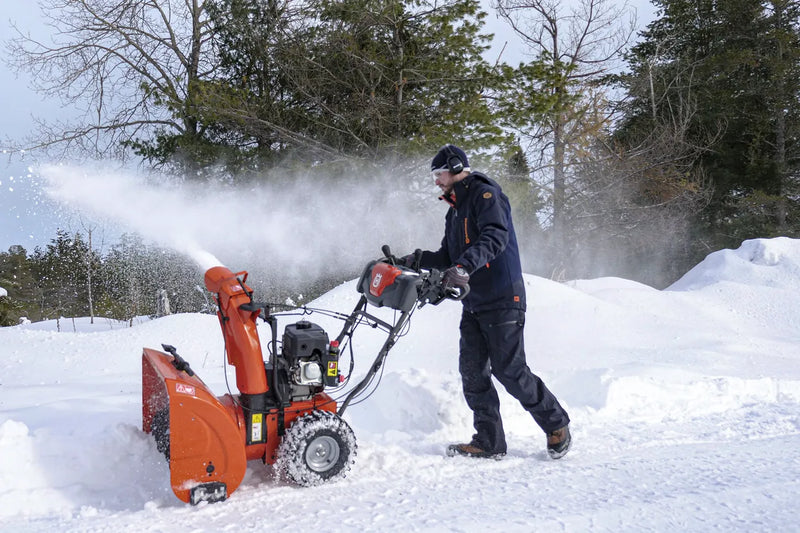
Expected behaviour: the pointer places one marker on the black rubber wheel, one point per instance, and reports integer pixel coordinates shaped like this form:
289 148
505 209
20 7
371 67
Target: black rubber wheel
318 448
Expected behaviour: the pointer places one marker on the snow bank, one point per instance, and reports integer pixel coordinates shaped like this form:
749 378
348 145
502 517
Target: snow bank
773 263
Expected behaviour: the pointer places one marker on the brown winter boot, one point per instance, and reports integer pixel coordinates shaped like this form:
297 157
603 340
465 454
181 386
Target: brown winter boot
470 450
559 442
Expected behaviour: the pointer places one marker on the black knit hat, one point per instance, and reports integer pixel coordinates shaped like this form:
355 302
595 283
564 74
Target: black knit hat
450 157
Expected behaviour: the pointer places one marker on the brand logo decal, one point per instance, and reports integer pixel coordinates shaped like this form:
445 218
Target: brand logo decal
376 281
184 389
487 195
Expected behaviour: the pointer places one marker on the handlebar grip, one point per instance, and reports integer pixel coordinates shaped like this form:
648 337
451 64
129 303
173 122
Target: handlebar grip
457 293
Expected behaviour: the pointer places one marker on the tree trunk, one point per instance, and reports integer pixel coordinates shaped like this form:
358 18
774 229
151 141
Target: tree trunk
780 127
89 277
559 192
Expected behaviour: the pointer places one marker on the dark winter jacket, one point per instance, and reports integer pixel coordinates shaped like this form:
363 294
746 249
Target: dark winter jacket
479 236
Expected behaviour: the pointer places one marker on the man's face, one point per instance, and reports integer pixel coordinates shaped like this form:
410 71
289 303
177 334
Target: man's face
444 179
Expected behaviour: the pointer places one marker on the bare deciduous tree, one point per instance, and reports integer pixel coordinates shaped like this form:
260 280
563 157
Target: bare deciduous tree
633 217
580 43
127 67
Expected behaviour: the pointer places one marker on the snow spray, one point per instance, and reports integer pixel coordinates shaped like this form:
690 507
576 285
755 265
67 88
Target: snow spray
166 217
301 230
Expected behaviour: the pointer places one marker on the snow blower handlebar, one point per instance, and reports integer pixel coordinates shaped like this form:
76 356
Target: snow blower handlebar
394 332
383 284
432 288
434 291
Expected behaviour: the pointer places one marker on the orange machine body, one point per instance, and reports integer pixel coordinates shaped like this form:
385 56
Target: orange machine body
239 328
207 439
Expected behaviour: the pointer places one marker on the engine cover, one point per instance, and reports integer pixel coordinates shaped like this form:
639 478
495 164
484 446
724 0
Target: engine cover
304 340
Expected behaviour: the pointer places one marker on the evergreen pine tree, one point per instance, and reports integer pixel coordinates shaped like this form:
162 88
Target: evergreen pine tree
728 70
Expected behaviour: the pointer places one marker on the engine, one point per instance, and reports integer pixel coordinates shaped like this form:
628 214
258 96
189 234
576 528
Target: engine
310 360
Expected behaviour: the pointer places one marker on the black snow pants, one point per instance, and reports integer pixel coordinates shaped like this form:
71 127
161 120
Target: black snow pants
492 344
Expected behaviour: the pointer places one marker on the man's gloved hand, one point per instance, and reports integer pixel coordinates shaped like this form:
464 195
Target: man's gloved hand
406 260
455 277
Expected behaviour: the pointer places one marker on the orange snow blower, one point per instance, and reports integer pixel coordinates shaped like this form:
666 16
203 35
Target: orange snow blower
282 414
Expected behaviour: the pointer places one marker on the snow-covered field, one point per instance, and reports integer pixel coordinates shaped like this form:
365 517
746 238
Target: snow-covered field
685 406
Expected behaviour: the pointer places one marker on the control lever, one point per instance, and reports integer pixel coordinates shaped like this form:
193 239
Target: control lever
456 293
178 362
388 253
431 290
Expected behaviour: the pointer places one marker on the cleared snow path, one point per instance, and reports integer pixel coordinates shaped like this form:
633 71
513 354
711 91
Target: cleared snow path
704 474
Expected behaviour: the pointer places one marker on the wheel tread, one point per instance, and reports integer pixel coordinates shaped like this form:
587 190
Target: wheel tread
291 462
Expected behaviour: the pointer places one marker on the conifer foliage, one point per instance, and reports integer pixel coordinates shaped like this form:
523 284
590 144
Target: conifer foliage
57 280
728 72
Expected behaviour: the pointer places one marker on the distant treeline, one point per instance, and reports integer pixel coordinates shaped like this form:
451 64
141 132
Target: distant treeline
67 278
70 278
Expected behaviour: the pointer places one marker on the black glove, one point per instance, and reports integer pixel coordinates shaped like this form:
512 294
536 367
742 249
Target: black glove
455 277
406 261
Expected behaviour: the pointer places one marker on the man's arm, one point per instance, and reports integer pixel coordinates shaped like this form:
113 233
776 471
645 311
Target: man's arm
492 219
439 259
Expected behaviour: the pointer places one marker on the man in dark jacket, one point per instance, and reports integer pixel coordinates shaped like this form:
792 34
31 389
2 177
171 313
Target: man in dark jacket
479 249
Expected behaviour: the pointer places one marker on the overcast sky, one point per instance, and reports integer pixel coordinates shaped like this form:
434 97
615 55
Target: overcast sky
19 101
25 216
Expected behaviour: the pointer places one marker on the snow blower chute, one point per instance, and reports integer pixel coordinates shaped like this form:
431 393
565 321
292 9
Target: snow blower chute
282 414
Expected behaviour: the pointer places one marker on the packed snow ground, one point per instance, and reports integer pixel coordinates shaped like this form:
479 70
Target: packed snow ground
685 406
